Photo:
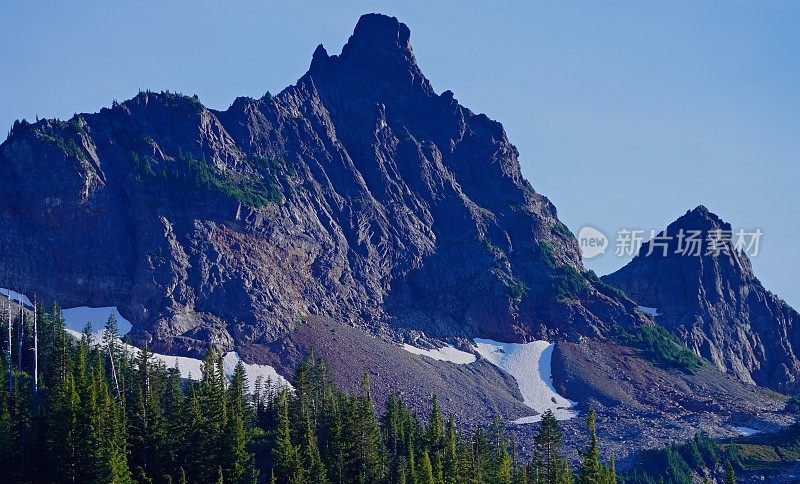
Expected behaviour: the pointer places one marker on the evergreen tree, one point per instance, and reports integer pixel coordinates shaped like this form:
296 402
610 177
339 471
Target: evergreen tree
287 468
146 432
426 470
331 441
311 459
174 451
549 464
366 450
451 475
238 462
434 436
591 470
730 475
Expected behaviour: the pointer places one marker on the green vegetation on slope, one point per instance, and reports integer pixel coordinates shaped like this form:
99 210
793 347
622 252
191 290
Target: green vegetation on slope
254 191
565 282
704 458
679 464
662 348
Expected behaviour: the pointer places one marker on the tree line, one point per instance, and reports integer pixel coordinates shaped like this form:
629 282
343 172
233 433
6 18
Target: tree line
103 414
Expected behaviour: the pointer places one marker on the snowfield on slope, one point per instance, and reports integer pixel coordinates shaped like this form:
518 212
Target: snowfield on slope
192 368
189 368
15 296
76 318
445 353
530 365
649 311
746 431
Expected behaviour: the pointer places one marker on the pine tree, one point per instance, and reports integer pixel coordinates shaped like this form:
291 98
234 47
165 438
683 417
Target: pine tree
434 436
500 460
331 443
112 465
147 433
365 454
730 475
413 476
611 471
174 450
399 476
288 468
503 464
317 474
238 462
211 403
6 442
426 470
548 464
451 475
111 343
591 470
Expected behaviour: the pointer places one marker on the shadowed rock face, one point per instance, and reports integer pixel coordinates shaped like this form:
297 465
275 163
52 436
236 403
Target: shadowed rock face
715 302
357 194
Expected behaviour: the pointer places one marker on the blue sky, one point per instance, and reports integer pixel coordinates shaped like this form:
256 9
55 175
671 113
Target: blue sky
626 114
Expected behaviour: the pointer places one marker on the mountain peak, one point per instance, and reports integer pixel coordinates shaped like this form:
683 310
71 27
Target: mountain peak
704 290
377 55
699 218
700 210
375 30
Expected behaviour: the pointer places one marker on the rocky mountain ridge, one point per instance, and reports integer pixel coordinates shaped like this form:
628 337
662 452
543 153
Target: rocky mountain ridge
357 194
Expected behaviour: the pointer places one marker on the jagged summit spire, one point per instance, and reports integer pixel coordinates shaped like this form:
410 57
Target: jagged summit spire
377 54
375 30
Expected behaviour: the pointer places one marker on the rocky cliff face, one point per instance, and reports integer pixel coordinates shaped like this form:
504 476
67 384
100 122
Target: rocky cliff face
358 194
715 302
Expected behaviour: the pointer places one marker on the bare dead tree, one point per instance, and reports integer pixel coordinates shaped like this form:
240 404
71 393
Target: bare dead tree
20 331
8 349
35 350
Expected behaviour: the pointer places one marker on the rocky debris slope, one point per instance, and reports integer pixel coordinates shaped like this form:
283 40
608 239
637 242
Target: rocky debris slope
715 303
358 194
642 406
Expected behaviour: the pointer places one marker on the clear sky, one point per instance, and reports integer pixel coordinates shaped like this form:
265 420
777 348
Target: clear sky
626 114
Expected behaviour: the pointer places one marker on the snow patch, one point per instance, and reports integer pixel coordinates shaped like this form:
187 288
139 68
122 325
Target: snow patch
253 371
76 318
192 368
15 296
746 431
446 353
530 365
649 311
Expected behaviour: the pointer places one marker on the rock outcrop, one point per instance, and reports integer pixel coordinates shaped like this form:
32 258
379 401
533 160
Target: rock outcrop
709 295
358 194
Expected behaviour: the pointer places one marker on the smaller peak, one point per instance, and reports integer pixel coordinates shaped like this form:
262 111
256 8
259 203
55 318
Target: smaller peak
241 101
319 53
701 211
699 218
